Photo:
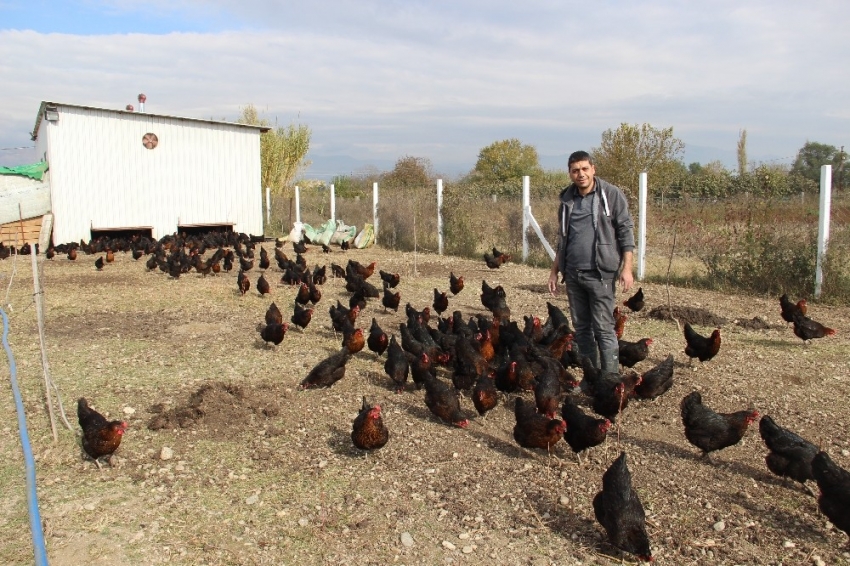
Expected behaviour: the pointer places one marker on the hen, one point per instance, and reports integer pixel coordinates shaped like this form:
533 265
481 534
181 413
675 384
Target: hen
273 332
243 282
619 510
834 484
397 365
485 396
301 316
583 431
353 339
98 263
368 431
807 329
455 283
635 302
710 431
328 371
633 352
390 280
441 301
656 381
263 285
533 430
377 341
443 402
619 322
790 455
390 300
700 347
100 437
787 308
547 392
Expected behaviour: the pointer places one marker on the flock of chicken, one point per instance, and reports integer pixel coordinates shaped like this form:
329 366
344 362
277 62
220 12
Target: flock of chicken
489 356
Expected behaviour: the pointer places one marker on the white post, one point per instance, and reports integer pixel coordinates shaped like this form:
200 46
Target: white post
333 203
641 263
440 216
823 223
268 206
297 204
526 210
375 210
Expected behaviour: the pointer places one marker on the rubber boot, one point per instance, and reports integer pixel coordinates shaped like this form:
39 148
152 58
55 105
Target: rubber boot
610 361
588 350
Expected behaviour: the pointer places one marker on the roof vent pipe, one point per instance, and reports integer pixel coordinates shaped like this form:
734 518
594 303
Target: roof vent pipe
129 108
142 99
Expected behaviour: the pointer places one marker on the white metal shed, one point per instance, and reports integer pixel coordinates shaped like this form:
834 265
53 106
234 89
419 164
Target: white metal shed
125 170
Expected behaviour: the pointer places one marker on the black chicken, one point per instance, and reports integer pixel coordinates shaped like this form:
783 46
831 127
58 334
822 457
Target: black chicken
656 381
619 510
583 431
834 484
710 431
635 302
790 455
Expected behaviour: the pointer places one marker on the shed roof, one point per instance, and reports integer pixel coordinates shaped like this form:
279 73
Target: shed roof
45 103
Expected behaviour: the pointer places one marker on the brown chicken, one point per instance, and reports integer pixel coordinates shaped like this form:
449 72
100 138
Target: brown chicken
583 431
807 329
273 315
377 340
368 431
273 333
493 262
620 512
100 437
300 247
353 339
301 316
633 352
443 402
364 271
303 294
390 280
397 365
787 308
441 301
710 431
328 371
533 430
635 302
243 282
547 393
390 300
72 254
699 346
421 368
455 283
263 285
485 396
790 455
619 322
656 381
834 484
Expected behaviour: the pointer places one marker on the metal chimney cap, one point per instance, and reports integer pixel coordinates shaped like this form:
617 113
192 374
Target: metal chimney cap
142 98
129 108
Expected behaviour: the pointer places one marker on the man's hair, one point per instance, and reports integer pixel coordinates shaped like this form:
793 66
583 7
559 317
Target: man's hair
577 156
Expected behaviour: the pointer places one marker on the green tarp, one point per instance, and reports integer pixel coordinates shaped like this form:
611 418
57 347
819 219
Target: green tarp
33 171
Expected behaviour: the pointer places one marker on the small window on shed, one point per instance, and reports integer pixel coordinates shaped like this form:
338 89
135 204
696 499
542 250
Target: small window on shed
150 140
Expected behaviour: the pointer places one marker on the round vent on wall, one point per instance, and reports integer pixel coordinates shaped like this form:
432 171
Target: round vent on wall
150 140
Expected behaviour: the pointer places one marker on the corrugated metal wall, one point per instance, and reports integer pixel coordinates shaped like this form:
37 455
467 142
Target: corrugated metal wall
103 177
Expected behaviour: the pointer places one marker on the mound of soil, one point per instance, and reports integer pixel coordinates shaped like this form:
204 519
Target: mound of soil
757 323
692 315
222 408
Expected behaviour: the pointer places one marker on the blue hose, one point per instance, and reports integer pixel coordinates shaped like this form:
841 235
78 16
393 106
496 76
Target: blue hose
32 499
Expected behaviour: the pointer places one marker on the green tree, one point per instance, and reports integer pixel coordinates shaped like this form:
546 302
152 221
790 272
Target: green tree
282 150
812 156
409 173
742 152
507 160
632 149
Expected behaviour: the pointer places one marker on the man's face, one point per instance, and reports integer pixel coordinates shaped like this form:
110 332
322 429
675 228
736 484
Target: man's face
581 173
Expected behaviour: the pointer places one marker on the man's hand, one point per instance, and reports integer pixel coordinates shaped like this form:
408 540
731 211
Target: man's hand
626 277
553 282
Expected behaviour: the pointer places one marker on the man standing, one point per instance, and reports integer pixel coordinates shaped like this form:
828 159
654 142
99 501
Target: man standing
595 247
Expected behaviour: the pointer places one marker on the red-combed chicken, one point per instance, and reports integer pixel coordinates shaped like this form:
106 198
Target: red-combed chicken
273 315
397 365
710 431
485 396
264 258
301 316
100 437
443 402
701 347
273 332
368 431
390 280
353 339
263 286
455 283
619 322
620 512
377 341
583 431
242 282
303 294
656 381
493 262
834 484
390 300
790 455
807 329
635 302
633 352
328 371
533 430
441 301
547 393
787 308
364 271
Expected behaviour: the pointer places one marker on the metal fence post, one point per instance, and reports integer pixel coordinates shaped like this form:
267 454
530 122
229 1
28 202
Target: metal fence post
526 210
642 189
297 204
333 203
823 224
440 216
375 210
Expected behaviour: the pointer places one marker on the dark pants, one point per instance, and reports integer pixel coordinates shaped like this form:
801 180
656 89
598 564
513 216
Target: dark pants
591 299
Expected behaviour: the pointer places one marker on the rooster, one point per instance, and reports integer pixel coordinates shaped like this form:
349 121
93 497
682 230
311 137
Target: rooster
790 455
619 510
368 431
100 437
700 347
710 431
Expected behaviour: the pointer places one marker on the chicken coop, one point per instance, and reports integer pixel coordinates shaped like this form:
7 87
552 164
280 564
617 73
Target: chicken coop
129 170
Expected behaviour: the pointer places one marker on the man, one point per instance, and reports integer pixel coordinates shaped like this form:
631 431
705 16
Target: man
595 248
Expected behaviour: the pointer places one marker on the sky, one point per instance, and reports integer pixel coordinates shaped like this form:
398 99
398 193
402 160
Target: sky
376 81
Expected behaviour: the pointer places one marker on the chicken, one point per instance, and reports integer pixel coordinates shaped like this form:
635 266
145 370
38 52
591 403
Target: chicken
499 254
633 352
507 379
790 455
273 315
301 316
345 245
493 299
326 249
787 308
353 339
441 301
807 329
337 271
368 431
390 300
328 371
583 431
364 271
390 280
377 340
700 347
443 402
635 302
397 365
612 393
619 510
710 431
485 396
98 263
110 255
455 283
533 430
303 294
264 258
100 437
421 368
72 254
263 285
273 333
656 381
493 262
300 247
246 265
834 484
619 322
547 393
243 282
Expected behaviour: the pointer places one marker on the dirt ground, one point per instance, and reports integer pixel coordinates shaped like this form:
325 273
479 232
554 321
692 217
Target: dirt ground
226 461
